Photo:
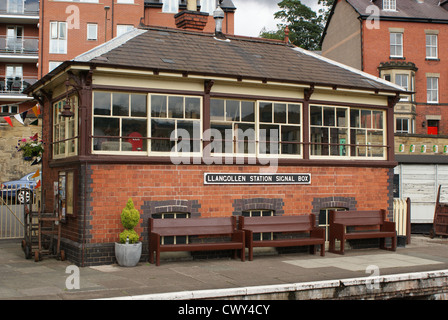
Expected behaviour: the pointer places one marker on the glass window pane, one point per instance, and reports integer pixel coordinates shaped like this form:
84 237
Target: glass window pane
378 119
266 112
106 127
316 115
175 107
247 111
269 139
354 118
245 134
138 105
294 113
134 129
158 106
216 109
101 103
219 145
290 134
190 128
366 119
341 115
232 110
329 118
162 129
319 138
280 113
120 104
192 108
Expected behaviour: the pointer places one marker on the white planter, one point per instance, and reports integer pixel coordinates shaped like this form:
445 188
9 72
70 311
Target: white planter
128 255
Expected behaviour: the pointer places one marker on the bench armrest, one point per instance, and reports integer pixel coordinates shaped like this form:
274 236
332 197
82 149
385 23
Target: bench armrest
238 236
337 231
388 226
318 233
154 240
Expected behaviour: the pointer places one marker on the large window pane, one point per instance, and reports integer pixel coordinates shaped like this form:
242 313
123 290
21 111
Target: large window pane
280 113
138 105
265 112
135 129
294 114
290 134
162 129
247 111
175 107
120 104
106 127
102 103
158 106
192 108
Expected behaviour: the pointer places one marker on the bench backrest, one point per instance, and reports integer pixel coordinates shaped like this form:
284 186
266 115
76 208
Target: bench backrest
192 226
358 218
278 223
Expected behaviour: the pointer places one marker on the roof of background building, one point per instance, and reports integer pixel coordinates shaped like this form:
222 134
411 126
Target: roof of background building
175 50
409 9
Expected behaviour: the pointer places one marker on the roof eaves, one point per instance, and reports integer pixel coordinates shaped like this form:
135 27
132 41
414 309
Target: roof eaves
393 87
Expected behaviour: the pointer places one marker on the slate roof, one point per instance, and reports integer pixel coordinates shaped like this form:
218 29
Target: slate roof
408 9
175 50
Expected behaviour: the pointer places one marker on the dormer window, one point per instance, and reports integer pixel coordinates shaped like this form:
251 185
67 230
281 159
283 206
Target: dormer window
390 5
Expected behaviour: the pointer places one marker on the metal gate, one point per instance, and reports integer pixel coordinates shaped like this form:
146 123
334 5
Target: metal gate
12 211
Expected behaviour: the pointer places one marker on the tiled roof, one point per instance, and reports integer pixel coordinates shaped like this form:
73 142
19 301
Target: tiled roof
248 58
409 9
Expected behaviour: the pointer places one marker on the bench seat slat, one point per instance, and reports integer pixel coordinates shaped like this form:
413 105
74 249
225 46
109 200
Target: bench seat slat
201 246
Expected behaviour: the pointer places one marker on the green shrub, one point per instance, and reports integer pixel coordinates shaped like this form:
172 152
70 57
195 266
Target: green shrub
129 219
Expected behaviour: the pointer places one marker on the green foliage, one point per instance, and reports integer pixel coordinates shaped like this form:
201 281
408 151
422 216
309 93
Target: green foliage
305 25
129 219
133 236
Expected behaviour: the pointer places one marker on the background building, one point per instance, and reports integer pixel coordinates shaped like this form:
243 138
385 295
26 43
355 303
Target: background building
403 41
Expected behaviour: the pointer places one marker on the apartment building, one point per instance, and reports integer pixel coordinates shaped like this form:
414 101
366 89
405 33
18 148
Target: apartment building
404 42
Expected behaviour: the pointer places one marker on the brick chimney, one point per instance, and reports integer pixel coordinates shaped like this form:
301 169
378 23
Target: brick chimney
191 19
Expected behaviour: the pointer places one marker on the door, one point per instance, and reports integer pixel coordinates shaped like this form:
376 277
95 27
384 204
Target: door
14 38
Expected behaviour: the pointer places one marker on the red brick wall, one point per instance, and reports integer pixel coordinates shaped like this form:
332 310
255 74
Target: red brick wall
112 185
376 49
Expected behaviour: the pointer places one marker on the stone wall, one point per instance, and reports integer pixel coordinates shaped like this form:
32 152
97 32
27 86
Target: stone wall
417 141
12 166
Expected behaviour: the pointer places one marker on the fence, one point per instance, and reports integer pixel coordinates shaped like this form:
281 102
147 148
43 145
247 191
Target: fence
402 218
12 211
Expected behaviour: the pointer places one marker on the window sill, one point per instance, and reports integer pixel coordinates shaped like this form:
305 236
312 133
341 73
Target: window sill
432 59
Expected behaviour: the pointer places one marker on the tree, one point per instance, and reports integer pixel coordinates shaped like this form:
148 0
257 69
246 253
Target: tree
305 25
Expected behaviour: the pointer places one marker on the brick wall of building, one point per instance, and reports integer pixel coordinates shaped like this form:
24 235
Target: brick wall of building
376 49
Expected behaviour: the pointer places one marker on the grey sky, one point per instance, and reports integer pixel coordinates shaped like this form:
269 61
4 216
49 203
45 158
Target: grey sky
252 15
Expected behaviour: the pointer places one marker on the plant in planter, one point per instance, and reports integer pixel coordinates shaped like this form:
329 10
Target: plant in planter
128 251
32 148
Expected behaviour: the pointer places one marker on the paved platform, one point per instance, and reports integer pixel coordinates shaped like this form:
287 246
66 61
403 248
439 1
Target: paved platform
55 280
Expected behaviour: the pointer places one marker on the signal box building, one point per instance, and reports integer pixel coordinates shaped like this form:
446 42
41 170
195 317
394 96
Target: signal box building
192 125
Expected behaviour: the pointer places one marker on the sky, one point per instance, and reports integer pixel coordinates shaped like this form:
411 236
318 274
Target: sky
252 15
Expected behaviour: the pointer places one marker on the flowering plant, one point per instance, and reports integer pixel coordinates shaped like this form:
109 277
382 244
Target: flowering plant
31 148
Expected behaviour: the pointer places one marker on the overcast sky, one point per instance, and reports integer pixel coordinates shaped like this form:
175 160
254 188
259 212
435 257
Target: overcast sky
252 15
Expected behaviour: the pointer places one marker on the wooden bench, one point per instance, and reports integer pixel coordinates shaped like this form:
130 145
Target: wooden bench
340 220
206 227
283 224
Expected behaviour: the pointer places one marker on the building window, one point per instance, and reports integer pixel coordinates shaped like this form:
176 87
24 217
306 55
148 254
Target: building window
279 122
208 6
173 117
9 109
432 89
431 46
403 80
65 130
173 239
396 44
324 221
345 132
15 6
123 28
14 78
125 1
119 115
53 64
260 213
433 127
389 5
402 125
58 37
170 6
92 31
